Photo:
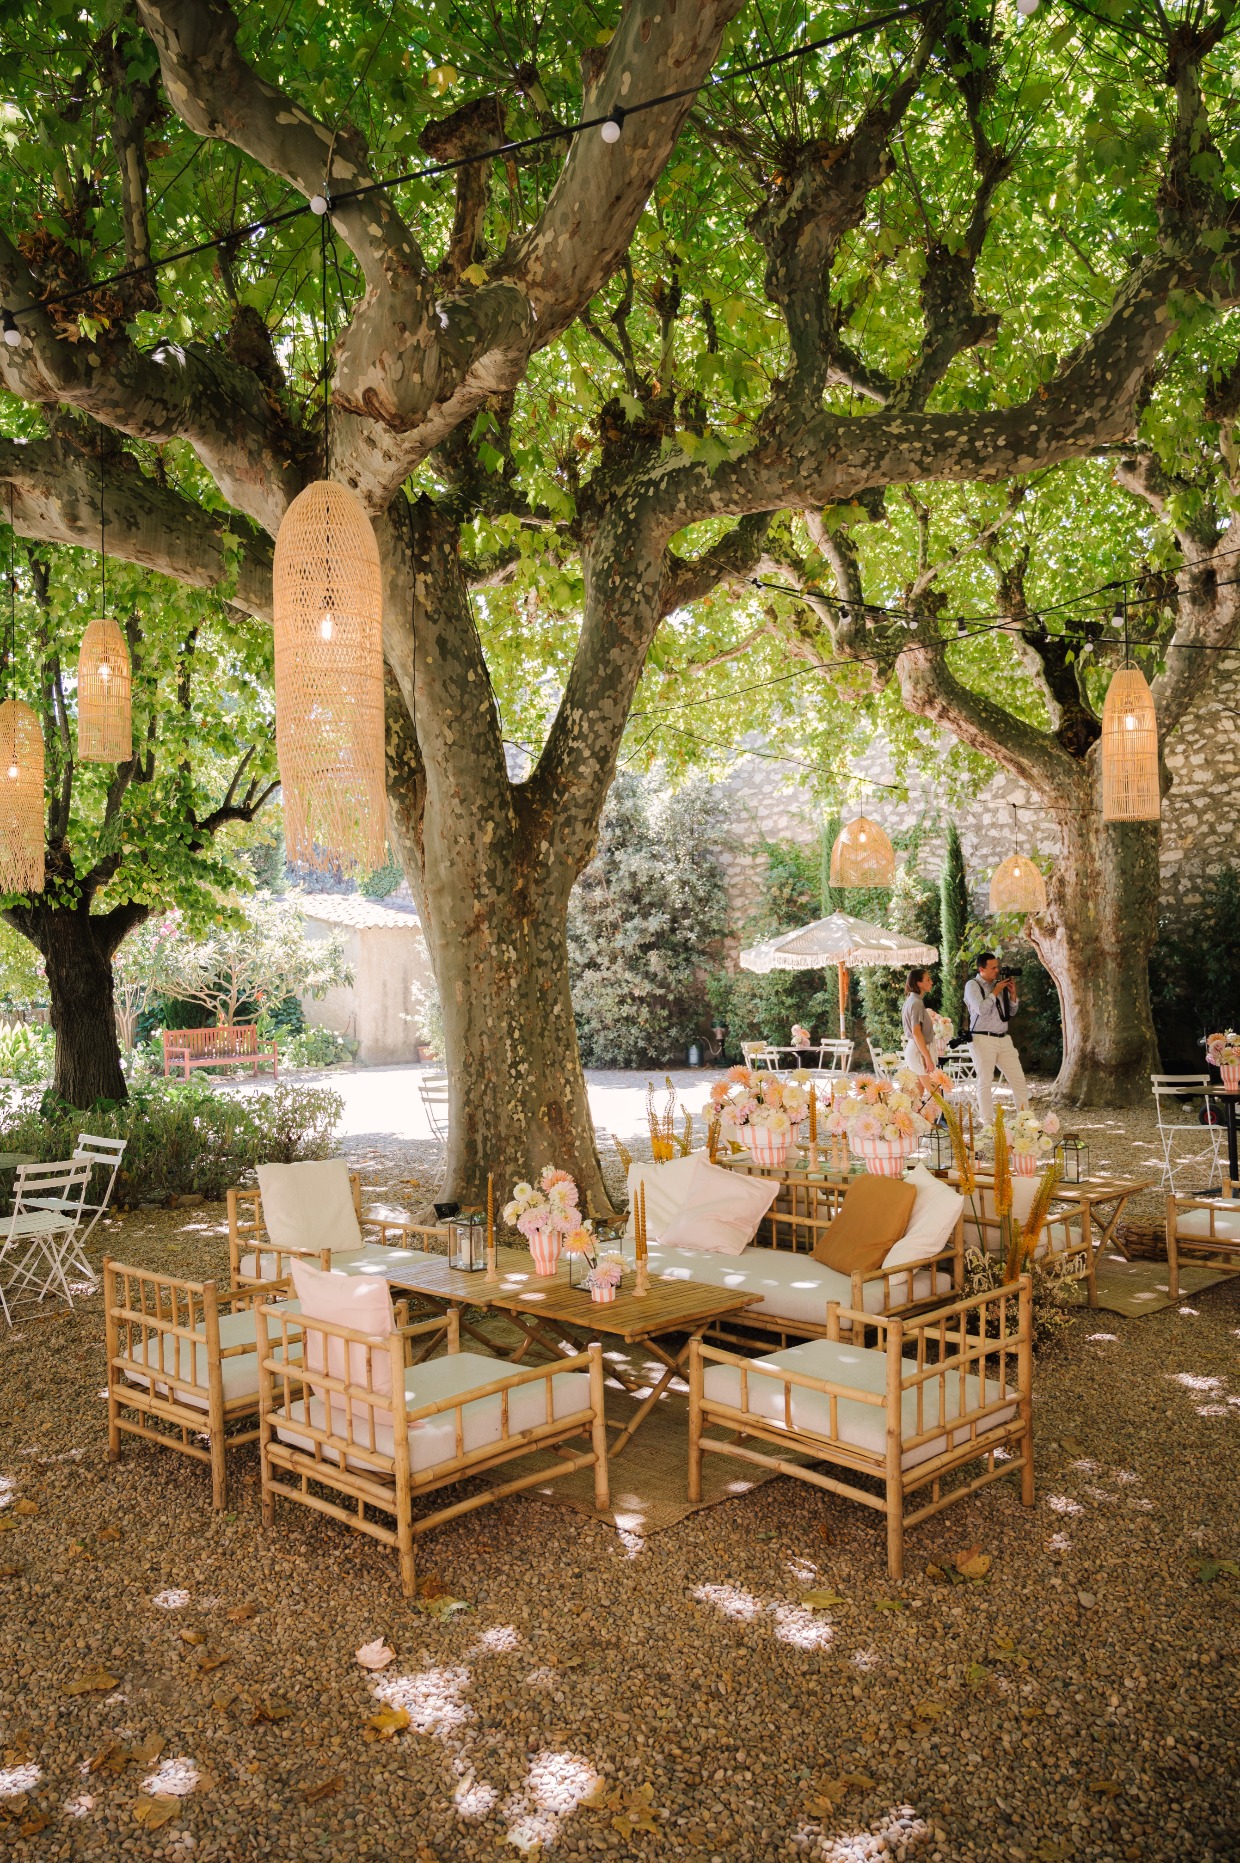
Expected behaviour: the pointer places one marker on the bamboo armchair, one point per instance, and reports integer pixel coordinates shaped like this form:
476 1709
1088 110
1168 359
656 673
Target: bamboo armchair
1060 1244
1202 1229
361 1444
183 1364
254 1261
901 1423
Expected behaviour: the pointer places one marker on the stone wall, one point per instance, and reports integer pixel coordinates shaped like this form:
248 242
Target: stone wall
761 802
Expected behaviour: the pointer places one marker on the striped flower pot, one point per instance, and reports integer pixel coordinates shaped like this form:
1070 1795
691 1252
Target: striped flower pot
1024 1163
883 1157
1230 1071
545 1248
602 1294
768 1147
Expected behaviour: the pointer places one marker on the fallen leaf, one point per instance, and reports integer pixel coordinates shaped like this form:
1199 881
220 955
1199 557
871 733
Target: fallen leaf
224 1700
974 1563
375 1655
150 1749
241 1613
927 1710
387 1723
443 1606
857 1781
11 1808
822 1600
206 1782
36 1822
273 1709
193 1636
23 1508
209 1661
977 1675
326 1788
1071 1444
430 1585
7 1525
1110 1788
96 1682
11 1571
113 1758
108 1535
151 1813
890 1604
1209 1569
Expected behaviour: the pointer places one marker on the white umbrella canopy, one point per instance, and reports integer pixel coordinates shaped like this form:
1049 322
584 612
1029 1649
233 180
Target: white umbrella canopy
849 944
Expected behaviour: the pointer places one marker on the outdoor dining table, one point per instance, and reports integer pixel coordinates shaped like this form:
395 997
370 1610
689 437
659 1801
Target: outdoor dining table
555 1317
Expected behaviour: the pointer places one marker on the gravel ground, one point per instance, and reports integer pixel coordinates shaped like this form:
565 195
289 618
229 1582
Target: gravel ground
604 1695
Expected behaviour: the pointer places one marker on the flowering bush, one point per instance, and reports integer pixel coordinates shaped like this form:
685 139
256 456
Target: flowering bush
880 1109
1223 1050
551 1209
745 1098
1030 1135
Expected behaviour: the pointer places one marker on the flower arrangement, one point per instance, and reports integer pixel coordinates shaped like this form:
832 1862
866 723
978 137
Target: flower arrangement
1223 1052
942 1028
547 1216
882 1120
1030 1138
605 1277
763 1109
800 1036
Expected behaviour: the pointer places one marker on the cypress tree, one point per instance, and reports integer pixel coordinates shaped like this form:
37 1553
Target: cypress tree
953 918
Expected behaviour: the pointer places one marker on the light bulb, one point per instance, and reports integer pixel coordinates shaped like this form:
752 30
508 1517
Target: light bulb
318 204
861 838
12 772
326 626
105 671
1026 7
610 130
1016 873
12 335
1130 723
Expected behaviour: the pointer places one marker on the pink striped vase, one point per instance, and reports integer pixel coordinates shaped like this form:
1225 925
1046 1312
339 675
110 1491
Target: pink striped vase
545 1248
883 1157
766 1146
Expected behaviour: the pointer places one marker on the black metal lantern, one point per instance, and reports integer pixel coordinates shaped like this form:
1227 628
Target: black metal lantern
467 1242
939 1141
1072 1157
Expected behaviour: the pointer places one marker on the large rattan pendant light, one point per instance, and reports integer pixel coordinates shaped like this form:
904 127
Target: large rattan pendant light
328 608
21 773
1017 884
1130 786
862 855
104 680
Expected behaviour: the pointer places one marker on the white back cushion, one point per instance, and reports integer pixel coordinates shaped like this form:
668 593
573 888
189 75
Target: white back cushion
936 1211
684 1190
667 1188
309 1205
709 1235
361 1302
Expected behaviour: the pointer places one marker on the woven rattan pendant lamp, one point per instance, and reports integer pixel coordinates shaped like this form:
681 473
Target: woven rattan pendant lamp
1129 751
104 680
328 605
862 855
1017 884
21 774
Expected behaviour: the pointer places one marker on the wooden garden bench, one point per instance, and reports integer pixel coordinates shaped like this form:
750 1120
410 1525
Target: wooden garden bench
217 1047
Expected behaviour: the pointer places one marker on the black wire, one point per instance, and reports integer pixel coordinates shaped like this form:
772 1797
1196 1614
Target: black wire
564 132
103 547
327 393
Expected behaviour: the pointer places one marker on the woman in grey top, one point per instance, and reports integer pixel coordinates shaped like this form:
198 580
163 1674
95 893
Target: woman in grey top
916 1024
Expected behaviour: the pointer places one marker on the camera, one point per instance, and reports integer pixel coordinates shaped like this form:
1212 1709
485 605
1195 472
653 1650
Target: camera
1008 976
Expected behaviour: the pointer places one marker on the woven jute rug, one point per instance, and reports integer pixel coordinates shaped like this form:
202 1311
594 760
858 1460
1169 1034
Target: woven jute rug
1134 1288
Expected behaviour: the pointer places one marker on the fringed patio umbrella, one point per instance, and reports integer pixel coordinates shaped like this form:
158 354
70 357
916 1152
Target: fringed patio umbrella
849 944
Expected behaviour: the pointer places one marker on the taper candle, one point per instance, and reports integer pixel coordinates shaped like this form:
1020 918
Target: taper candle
492 1273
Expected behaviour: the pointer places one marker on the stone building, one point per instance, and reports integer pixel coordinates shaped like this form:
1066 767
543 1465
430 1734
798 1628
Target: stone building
386 951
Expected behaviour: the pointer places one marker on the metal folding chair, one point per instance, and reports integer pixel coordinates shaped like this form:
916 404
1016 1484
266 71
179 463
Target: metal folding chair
1183 1090
103 1154
37 1239
433 1089
835 1057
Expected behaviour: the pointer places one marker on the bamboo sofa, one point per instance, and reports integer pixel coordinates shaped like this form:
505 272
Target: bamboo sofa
311 1211
941 1391
1202 1230
182 1367
348 1430
923 1269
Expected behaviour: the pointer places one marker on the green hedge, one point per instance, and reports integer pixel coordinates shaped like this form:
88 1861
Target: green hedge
182 1136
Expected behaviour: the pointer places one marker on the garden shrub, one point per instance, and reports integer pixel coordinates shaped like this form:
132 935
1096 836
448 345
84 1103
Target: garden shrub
183 1136
316 1047
27 1053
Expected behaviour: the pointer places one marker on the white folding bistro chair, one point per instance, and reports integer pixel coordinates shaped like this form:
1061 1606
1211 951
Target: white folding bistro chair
433 1089
37 1239
835 1057
1184 1093
102 1154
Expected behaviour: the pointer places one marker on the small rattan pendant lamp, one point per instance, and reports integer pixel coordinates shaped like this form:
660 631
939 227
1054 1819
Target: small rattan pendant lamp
1017 884
328 608
862 855
21 773
1131 791
104 679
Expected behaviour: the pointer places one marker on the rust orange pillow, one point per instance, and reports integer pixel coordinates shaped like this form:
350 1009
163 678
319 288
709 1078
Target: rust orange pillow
872 1217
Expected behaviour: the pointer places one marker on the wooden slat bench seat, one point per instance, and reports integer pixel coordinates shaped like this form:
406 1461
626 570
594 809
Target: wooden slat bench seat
217 1047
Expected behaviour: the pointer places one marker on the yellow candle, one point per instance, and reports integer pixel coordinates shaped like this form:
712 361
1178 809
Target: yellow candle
491 1275
813 1117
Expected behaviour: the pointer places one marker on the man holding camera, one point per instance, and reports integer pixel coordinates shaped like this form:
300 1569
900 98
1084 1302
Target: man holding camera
991 1003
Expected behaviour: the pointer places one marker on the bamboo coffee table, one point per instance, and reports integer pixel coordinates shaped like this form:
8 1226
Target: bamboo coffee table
554 1316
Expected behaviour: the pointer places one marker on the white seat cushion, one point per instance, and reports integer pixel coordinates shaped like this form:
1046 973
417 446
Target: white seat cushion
793 1287
373 1258
1197 1223
309 1205
432 1440
171 1353
862 1426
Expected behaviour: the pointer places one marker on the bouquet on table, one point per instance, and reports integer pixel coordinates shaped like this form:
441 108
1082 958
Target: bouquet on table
1223 1052
942 1028
883 1120
761 1110
549 1218
606 1273
800 1036
1030 1138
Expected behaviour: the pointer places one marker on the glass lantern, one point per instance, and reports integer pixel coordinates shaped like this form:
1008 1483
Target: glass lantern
467 1242
939 1146
1072 1157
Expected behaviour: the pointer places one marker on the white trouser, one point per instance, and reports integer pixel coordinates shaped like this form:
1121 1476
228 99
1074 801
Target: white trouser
991 1052
914 1058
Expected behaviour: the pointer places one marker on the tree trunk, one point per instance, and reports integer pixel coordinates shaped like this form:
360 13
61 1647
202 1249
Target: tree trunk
490 884
79 981
1095 939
